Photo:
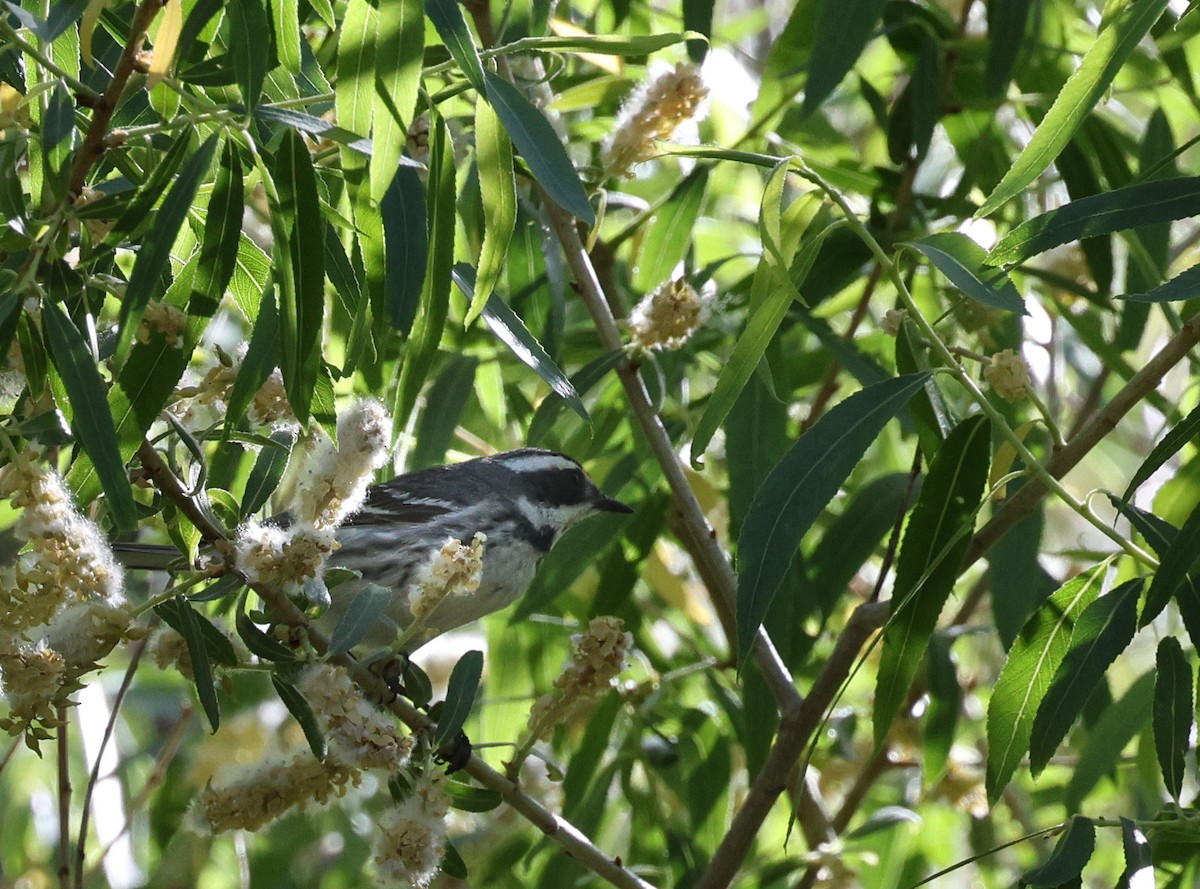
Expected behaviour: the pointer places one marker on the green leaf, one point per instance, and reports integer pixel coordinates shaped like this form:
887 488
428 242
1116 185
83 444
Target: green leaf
285 19
1006 37
1072 851
583 381
90 419
599 44
1103 631
469 798
1027 673
511 330
842 30
539 146
1139 862
931 553
187 623
498 190
1111 734
354 89
222 231
302 713
1183 432
435 429
400 43
250 47
460 697
963 262
430 322
300 271
670 231
1104 58
155 252
447 18
267 471
1172 712
262 356
317 126
406 248
362 615
798 490
1178 563
1185 285
260 644
1134 206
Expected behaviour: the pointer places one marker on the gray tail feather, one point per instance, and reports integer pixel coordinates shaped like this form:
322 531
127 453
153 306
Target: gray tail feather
146 556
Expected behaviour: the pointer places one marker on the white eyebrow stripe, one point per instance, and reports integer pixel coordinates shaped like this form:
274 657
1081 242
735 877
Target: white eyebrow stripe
539 463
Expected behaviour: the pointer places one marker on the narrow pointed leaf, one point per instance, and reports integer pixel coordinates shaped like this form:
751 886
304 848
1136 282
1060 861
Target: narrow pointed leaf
540 146
1103 631
1072 851
1183 432
362 616
1120 724
1178 563
184 620
799 488
1027 673
354 89
406 247
302 713
399 44
1172 712
1185 285
267 471
1149 203
962 261
250 47
262 357
1083 89
302 278
670 231
90 420
460 696
447 18
155 252
285 18
511 330
927 567
498 190
1139 862
842 31
318 126
222 230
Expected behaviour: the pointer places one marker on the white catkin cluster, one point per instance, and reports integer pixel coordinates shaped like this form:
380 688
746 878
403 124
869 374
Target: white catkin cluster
412 836
61 601
356 731
332 484
455 570
652 113
667 317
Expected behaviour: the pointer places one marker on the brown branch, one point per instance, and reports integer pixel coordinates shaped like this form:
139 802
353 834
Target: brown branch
93 145
795 731
573 841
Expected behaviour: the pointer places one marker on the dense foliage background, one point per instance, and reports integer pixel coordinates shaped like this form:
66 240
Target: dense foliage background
915 263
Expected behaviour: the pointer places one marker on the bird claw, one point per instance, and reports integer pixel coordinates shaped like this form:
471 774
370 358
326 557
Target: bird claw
455 753
391 670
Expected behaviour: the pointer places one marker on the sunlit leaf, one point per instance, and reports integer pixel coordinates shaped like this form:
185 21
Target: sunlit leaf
493 153
962 261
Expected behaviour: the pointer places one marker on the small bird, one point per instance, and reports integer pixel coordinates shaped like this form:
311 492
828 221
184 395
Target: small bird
521 500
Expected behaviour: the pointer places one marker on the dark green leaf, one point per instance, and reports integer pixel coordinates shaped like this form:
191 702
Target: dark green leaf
1100 64
842 30
362 615
317 126
222 230
183 619
422 346
1172 712
1183 432
1178 563
1135 206
216 643
670 231
1006 38
511 331
584 380
1027 673
447 18
540 146
1070 854
460 697
1185 285
962 261
91 420
798 489
1139 863
250 47
302 278
1102 632
931 553
452 864
469 798
406 243
267 471
302 713
1118 725
155 251
435 428
698 17
262 357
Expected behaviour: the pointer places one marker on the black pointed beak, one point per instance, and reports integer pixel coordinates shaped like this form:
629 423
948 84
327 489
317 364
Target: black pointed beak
608 504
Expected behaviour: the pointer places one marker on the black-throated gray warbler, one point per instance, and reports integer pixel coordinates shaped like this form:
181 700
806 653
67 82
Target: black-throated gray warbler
521 501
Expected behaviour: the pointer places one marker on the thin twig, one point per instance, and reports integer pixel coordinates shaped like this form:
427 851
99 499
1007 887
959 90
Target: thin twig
573 841
94 778
64 800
